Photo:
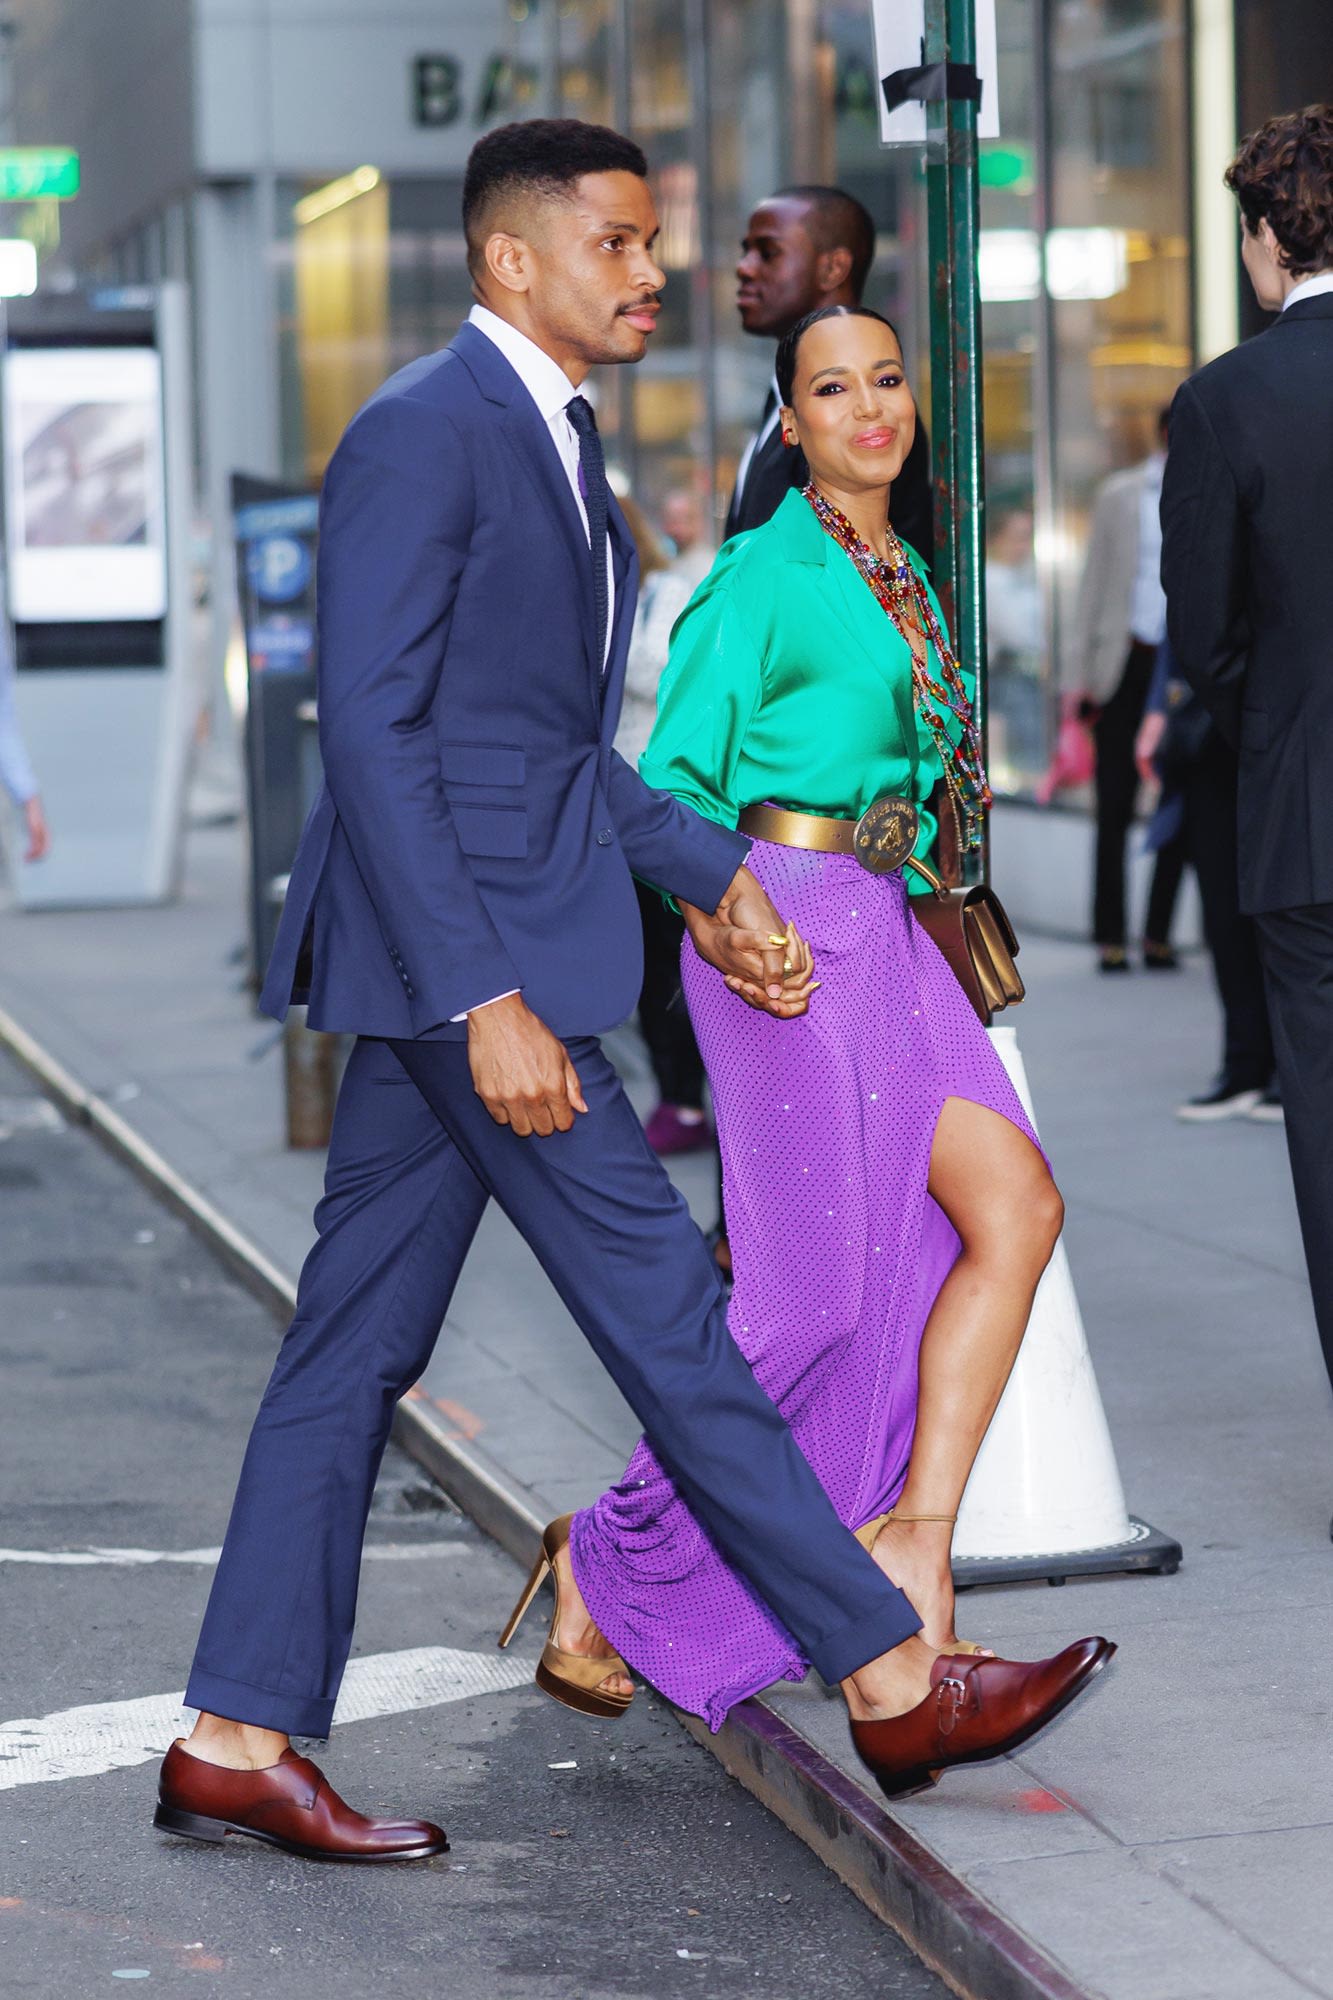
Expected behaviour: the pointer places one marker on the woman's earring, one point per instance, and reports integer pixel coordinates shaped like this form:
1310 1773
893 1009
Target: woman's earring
788 439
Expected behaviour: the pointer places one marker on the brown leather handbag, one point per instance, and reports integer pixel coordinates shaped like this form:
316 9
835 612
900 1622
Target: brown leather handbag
970 928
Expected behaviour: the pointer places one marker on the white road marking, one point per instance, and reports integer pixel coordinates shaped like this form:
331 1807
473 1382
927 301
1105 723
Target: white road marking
131 1558
112 1735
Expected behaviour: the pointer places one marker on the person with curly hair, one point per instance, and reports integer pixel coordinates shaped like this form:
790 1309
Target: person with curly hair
1247 518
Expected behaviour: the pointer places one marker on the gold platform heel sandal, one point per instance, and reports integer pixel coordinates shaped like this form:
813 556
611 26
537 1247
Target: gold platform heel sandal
573 1678
867 1536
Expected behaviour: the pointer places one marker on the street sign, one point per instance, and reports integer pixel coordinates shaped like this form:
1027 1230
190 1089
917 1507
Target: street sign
35 173
900 35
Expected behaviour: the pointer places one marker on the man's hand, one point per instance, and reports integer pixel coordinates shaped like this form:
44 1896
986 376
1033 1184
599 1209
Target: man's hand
521 1073
762 959
1147 743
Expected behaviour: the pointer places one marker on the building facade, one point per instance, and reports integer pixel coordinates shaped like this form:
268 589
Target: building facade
300 163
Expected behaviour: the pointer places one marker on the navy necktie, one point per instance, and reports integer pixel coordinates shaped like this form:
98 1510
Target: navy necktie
593 487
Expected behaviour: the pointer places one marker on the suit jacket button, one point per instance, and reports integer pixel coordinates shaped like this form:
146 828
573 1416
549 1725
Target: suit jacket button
604 837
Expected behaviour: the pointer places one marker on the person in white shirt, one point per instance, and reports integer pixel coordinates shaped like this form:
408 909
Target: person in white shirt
1119 624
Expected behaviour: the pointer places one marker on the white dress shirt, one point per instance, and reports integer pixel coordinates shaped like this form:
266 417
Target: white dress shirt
551 390
761 436
1147 616
1309 288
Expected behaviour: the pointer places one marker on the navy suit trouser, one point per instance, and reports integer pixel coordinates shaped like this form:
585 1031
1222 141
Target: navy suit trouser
413 1159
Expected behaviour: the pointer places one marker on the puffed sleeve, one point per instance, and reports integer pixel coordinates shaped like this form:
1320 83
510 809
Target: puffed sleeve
710 690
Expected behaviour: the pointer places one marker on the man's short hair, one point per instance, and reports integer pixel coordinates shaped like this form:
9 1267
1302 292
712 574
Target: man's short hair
838 221
545 157
1283 174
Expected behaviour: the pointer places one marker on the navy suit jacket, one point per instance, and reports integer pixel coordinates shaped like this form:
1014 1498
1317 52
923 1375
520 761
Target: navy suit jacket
476 831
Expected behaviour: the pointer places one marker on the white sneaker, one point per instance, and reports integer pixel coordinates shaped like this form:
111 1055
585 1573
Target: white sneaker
1225 1100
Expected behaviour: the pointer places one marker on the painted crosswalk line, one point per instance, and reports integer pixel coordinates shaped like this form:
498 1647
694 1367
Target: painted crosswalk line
206 1558
112 1735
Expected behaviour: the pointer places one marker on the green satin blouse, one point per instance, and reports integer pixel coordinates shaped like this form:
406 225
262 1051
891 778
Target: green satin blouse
788 684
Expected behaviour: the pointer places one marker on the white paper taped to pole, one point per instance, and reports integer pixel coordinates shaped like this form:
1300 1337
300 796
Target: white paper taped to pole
1046 1480
900 27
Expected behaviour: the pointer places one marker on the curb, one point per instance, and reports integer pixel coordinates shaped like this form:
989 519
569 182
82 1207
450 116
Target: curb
962 1937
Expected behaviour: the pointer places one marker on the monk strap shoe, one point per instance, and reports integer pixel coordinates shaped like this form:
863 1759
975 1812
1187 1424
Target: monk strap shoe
978 1707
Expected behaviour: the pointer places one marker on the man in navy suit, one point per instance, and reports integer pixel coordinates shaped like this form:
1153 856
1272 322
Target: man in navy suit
463 902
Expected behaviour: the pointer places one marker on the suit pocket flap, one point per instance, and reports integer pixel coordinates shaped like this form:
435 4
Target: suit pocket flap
482 764
501 831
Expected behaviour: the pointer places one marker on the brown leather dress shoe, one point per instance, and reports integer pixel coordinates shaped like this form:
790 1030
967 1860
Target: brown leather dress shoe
976 1708
290 1804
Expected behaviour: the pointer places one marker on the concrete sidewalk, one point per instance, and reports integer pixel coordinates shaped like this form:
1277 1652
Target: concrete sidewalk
1171 1837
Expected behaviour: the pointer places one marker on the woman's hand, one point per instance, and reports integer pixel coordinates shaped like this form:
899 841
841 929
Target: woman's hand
765 962
797 985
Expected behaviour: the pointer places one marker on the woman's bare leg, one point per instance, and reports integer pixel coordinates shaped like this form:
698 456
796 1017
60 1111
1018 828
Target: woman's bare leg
997 1191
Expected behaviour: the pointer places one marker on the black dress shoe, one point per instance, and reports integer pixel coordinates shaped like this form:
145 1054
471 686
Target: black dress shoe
1230 1097
1114 958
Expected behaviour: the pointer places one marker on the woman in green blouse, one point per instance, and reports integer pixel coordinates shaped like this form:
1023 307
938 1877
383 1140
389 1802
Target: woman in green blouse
888 1206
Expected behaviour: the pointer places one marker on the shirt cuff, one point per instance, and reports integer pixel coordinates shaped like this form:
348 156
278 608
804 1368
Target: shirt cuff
485 1003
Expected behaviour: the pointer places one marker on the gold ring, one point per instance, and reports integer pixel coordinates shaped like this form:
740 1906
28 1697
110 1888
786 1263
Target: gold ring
787 965
777 940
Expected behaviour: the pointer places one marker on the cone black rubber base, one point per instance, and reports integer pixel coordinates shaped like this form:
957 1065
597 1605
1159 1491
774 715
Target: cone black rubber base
1147 1550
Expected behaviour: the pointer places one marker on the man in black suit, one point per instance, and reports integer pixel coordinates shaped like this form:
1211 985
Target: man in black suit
807 247
1247 519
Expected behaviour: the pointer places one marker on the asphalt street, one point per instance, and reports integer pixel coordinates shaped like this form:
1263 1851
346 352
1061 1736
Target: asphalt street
604 1861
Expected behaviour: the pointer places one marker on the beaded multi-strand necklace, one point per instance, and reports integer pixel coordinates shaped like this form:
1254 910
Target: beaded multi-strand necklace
900 591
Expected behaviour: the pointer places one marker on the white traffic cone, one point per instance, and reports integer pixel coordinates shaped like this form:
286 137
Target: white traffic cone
1045 1485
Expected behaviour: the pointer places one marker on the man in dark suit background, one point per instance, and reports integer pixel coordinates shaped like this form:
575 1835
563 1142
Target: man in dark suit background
1247 519
807 247
463 903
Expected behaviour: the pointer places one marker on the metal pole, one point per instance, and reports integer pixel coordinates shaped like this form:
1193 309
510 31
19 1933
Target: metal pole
954 212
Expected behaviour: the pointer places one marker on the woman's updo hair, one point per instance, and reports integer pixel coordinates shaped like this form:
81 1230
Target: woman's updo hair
1283 174
790 344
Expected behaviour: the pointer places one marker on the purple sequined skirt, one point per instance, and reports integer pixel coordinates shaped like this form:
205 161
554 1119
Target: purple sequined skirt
825 1126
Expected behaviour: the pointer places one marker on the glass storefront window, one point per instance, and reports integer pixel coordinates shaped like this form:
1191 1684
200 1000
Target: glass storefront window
1085 267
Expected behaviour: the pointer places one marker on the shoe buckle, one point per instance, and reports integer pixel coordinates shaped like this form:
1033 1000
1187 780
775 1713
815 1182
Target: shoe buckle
952 1693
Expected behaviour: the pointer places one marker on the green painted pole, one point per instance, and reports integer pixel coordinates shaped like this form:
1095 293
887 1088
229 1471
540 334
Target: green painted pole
954 224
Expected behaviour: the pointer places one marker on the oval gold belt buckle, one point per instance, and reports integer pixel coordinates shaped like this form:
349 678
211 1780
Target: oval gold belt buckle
886 834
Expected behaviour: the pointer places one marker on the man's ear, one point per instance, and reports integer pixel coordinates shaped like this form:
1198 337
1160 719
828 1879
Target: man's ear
832 269
508 262
1267 236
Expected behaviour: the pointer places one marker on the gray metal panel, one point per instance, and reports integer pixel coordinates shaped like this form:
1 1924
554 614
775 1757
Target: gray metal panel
96 740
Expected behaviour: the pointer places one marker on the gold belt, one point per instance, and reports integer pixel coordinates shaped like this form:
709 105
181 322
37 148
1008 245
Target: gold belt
881 840
798 829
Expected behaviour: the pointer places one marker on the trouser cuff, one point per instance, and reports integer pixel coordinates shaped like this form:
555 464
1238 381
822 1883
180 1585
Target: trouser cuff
262 1708
842 1652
